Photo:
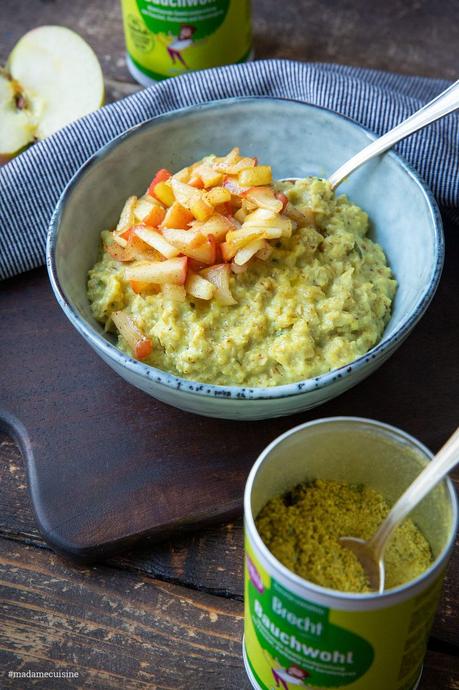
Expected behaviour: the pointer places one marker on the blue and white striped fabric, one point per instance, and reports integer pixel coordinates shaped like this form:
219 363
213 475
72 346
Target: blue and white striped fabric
31 184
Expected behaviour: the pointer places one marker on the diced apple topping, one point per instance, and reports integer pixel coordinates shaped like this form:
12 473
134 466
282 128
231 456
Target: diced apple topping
177 216
218 195
156 240
264 197
217 225
140 345
163 192
257 176
197 286
209 176
170 271
127 215
161 176
219 276
147 210
233 164
183 239
245 254
194 229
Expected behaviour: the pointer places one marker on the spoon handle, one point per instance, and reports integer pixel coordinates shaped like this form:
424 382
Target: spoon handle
442 105
443 462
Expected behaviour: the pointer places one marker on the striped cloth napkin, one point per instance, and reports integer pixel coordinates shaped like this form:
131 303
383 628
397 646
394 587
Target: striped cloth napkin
31 184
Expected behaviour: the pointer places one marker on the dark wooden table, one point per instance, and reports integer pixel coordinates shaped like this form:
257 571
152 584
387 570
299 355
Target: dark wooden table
170 616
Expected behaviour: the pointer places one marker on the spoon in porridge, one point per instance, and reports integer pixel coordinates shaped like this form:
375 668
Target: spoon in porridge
444 104
371 553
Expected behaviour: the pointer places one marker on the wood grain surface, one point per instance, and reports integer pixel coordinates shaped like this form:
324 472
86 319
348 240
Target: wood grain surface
169 615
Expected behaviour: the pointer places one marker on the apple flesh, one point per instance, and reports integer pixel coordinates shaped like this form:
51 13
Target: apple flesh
60 80
16 123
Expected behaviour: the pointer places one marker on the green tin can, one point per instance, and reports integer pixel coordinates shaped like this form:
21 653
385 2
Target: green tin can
300 635
166 38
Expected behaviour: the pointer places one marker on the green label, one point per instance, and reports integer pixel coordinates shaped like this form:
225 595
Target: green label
186 19
302 643
294 642
166 38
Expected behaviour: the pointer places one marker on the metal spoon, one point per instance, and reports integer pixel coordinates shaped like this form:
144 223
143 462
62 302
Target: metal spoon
442 105
370 553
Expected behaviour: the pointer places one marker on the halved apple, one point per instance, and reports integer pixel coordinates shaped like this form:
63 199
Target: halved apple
60 75
17 129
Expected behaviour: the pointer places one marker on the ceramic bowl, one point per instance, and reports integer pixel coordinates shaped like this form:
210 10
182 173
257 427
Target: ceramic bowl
297 139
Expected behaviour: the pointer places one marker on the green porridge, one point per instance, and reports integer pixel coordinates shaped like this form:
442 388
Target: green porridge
302 529
320 300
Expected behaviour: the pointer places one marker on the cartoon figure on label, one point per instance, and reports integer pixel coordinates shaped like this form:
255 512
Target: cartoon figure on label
294 675
180 43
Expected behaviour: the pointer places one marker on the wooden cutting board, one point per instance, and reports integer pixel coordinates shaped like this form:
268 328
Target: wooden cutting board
107 464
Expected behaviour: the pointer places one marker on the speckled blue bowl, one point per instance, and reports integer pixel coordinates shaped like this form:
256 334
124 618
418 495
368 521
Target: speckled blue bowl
297 139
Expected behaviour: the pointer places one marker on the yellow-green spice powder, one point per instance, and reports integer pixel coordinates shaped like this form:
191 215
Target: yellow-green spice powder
302 529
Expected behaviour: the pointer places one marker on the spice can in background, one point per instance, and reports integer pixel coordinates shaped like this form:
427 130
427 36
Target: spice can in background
300 635
166 38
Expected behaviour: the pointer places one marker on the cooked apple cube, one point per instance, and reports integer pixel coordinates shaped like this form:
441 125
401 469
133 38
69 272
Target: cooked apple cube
232 184
192 199
228 251
217 225
177 217
232 164
183 239
161 176
127 215
134 248
148 211
247 205
209 176
201 209
176 293
169 271
184 193
219 275
156 240
264 197
218 195
205 253
241 215
163 192
257 176
137 341
239 238
197 286
263 218
245 254
195 181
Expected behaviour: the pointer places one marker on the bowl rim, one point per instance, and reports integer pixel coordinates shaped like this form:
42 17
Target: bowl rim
168 380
